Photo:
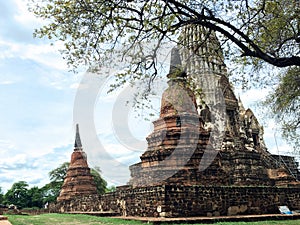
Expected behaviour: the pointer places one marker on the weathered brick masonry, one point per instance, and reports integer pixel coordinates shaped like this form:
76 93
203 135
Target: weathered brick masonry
205 157
179 200
215 201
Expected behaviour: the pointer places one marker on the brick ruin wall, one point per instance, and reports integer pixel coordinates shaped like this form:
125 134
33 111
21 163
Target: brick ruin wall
177 201
215 201
124 202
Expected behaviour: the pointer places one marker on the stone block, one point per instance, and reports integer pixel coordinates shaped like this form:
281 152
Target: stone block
236 210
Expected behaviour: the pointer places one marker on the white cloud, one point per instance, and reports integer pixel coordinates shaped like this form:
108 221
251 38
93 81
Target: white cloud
5 146
13 160
36 101
45 54
252 96
42 53
23 16
7 82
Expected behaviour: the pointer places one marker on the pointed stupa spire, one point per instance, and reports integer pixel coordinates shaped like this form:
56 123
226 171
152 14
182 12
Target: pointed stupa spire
241 106
77 144
176 69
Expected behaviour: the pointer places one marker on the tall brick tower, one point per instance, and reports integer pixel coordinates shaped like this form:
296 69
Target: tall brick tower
207 138
78 181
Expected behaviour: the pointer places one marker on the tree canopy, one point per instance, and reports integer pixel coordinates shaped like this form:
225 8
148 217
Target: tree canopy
252 33
51 190
101 184
264 29
284 104
1 195
18 194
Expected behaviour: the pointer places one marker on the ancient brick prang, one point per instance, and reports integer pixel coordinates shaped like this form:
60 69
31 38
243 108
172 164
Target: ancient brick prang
206 155
78 181
182 141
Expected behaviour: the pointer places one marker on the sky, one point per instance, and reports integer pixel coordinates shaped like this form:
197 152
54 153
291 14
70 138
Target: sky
41 101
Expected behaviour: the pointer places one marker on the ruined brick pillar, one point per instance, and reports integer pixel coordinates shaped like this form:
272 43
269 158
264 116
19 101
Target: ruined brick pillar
78 181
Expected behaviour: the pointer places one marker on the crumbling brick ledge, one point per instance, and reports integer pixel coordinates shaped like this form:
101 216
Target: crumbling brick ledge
177 201
211 220
4 220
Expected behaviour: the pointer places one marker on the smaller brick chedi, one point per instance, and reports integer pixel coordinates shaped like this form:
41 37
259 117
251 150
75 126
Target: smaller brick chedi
78 182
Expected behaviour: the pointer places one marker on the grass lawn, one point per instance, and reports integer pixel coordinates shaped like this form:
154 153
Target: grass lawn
66 219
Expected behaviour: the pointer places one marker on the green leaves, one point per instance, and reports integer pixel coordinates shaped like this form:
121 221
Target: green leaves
1 196
18 194
284 104
254 34
99 181
58 174
276 26
92 30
